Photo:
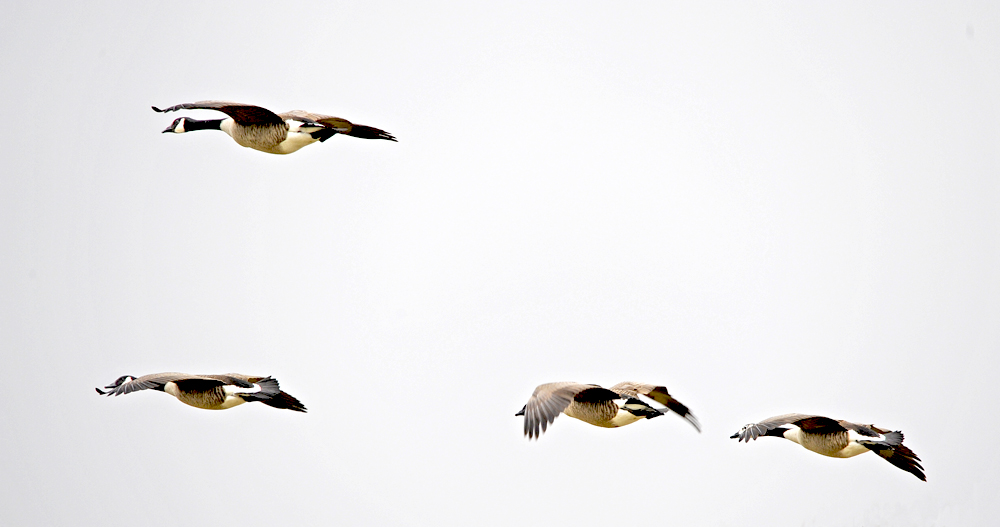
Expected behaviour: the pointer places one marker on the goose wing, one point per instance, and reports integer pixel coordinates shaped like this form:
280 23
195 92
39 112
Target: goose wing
236 379
269 391
806 422
243 114
272 395
658 394
865 430
125 385
549 400
339 125
894 451
889 445
816 424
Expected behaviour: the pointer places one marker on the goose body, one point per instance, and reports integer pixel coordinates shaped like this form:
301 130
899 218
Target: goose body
608 408
209 392
834 438
261 129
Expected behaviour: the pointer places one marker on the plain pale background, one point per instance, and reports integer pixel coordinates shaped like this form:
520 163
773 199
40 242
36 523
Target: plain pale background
767 208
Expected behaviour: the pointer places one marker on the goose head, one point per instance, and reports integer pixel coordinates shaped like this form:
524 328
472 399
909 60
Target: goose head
177 126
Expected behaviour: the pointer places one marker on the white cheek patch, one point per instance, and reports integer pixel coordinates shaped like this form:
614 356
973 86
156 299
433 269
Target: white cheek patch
179 129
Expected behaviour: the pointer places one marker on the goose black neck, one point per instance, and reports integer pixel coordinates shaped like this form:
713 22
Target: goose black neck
194 124
775 432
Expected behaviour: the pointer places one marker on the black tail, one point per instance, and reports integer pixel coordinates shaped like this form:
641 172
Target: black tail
897 454
285 402
270 394
367 132
683 411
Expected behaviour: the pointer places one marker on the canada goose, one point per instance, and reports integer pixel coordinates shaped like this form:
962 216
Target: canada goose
608 408
836 438
261 129
211 392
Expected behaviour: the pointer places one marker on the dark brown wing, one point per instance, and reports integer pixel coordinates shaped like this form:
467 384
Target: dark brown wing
154 381
341 126
893 451
658 394
755 430
865 430
235 379
549 400
244 114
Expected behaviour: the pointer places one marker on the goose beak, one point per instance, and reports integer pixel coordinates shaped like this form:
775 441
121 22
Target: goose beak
521 412
169 129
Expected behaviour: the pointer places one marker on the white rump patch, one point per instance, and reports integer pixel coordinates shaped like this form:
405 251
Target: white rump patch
649 401
295 125
854 436
229 389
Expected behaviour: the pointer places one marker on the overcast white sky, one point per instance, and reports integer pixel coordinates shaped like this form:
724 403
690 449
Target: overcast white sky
768 209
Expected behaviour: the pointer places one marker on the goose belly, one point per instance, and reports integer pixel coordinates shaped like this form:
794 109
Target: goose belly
264 138
606 415
214 399
839 444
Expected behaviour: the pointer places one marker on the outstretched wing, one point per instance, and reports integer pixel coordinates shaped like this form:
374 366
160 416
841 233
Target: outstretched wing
235 379
755 430
269 390
865 430
658 394
272 395
893 451
549 400
244 114
339 125
154 381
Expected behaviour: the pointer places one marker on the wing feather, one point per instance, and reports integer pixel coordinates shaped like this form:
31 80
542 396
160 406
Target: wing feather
154 381
549 400
244 114
658 394
755 430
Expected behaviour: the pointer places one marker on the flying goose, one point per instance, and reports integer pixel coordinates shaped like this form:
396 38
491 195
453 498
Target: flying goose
261 129
608 408
836 438
211 392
